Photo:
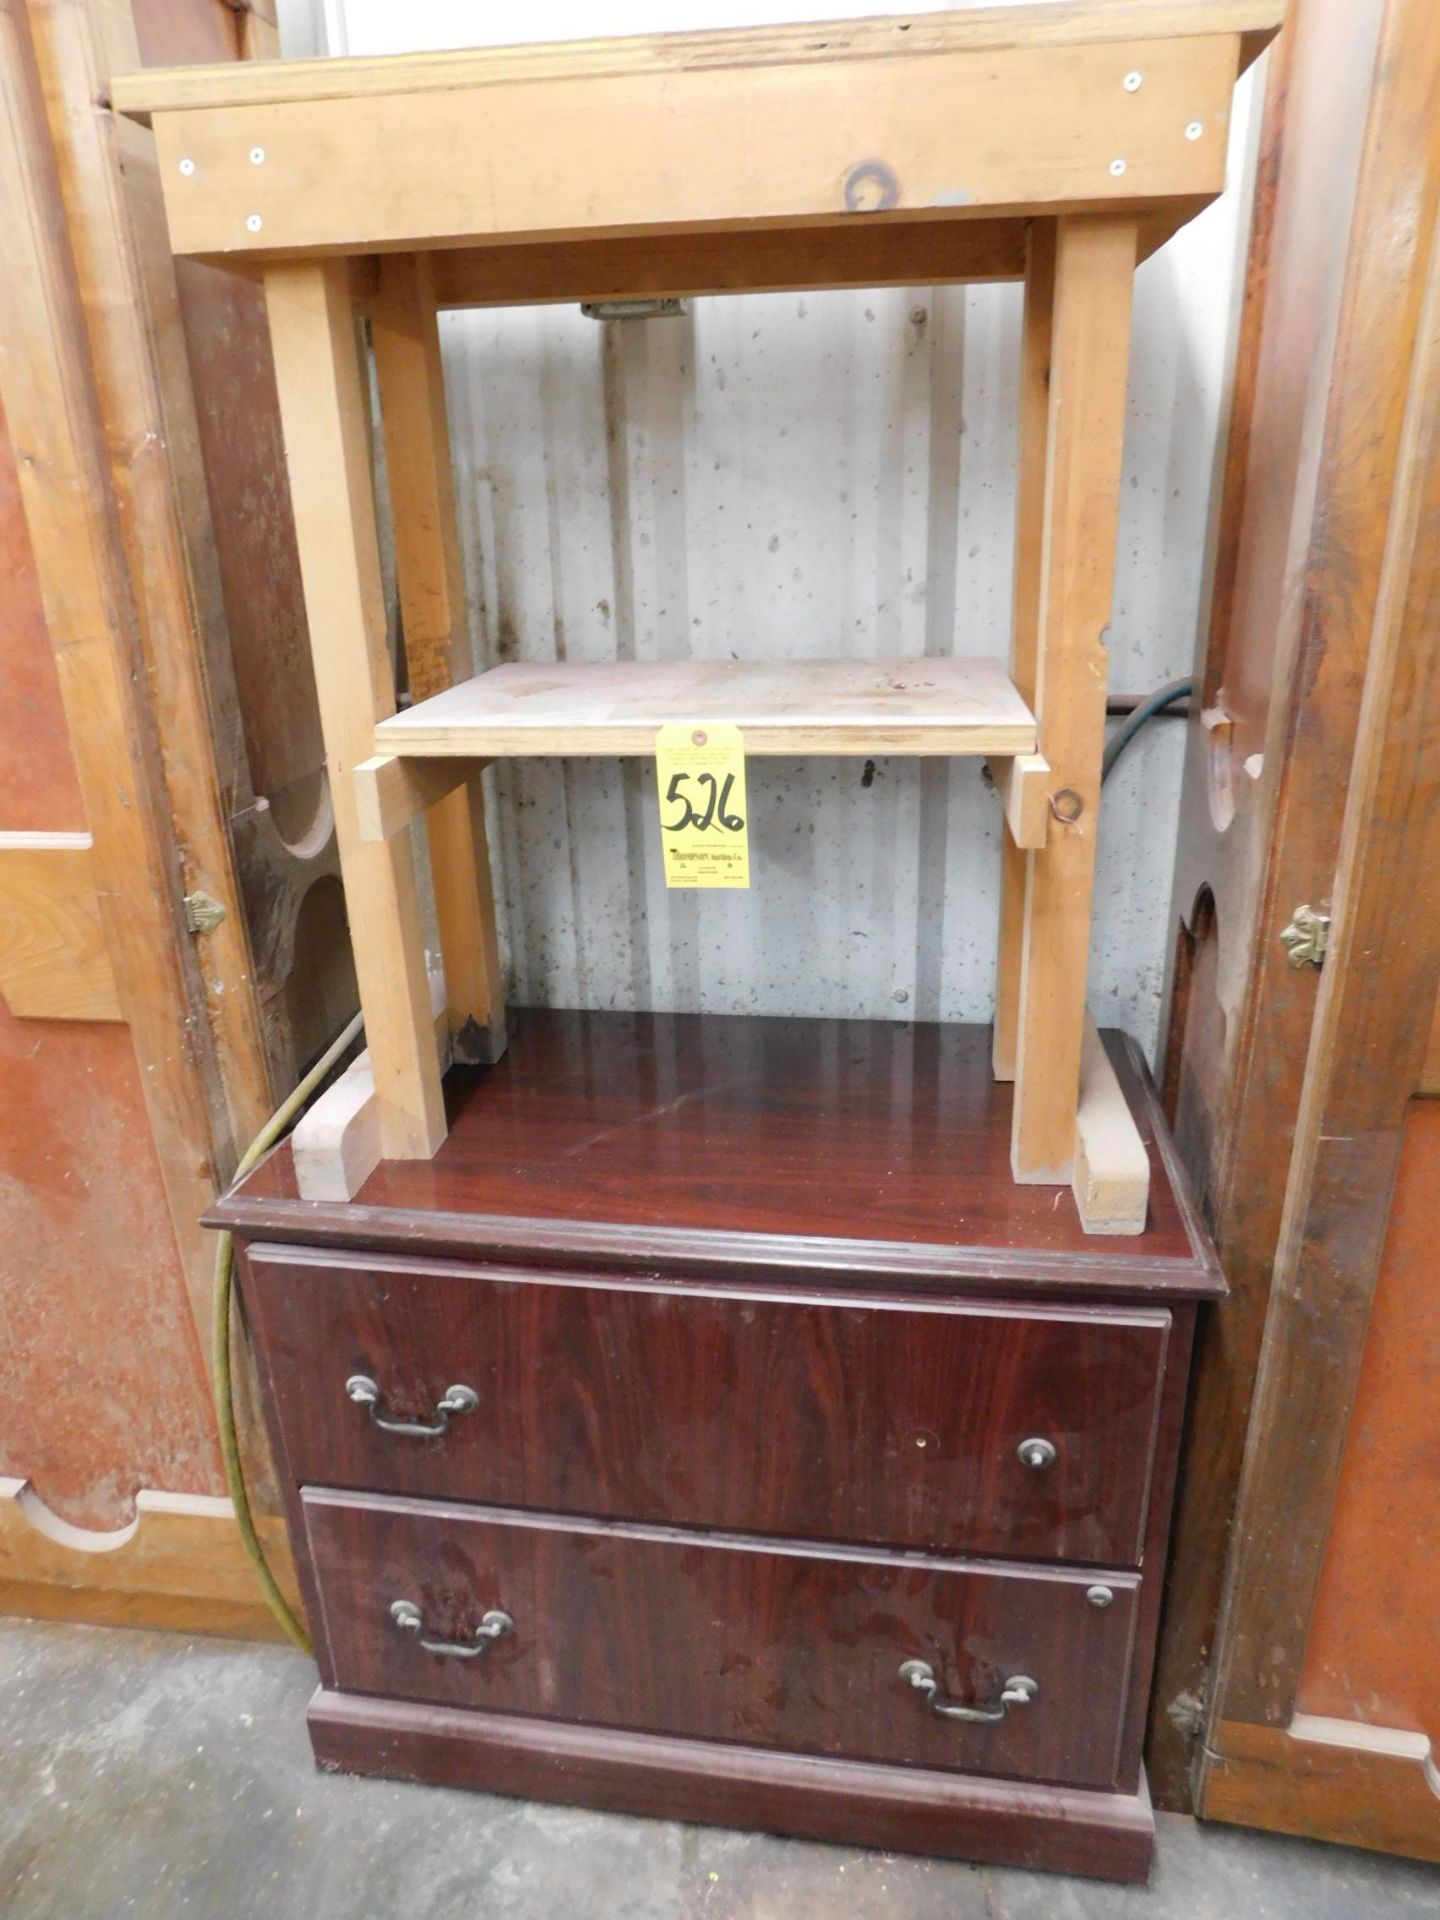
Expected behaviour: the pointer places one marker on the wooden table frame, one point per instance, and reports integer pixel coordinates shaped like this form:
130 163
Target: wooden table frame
1056 144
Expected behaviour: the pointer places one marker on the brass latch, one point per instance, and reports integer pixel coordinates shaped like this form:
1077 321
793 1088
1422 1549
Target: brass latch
203 913
1307 936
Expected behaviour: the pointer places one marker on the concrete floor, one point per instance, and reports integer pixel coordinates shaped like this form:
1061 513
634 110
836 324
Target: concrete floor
143 1774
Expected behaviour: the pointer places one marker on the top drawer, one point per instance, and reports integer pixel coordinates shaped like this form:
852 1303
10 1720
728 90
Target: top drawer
849 1418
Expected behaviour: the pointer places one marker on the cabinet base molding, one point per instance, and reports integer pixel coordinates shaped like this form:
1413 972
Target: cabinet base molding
1324 1779
179 1564
1106 1836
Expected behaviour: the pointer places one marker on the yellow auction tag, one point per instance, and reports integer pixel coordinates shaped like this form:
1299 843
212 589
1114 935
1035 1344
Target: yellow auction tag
700 778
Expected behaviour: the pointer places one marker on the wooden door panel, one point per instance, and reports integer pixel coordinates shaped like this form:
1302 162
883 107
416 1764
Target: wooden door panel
1312 782
1372 1653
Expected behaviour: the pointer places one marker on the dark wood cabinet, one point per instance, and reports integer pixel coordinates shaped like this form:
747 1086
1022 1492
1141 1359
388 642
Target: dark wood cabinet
795 1451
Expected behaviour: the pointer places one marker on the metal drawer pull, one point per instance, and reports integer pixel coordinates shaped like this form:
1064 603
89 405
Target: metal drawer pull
363 1391
1037 1453
494 1626
1019 1690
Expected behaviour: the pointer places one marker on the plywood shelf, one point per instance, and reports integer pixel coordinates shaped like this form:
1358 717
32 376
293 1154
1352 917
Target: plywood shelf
927 706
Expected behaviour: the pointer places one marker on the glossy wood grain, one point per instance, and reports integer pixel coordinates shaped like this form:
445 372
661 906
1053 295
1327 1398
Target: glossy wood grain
705 1144
714 1637
875 1419
1070 1830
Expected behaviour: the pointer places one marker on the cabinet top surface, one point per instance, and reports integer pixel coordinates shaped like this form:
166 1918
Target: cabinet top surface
746 1146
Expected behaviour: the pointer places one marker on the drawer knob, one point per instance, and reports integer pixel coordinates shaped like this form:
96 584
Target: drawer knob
1019 1690
1037 1453
494 1626
363 1391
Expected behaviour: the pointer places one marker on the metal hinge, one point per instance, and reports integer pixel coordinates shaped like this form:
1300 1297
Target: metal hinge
1186 1713
202 913
1307 936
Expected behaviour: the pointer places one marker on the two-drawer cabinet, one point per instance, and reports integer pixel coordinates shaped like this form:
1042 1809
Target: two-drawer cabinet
854 1536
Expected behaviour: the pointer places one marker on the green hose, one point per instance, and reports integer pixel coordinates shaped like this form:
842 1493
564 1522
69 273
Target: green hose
1147 710
273 1128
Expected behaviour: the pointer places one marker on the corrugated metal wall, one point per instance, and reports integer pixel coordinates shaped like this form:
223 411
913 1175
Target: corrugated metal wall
800 477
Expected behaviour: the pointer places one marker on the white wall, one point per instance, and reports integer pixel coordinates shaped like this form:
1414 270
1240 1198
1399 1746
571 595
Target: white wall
802 476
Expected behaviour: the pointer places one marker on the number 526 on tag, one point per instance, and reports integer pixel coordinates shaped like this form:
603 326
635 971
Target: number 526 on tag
704 830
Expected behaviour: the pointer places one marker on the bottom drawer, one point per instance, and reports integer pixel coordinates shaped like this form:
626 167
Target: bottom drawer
717 1638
